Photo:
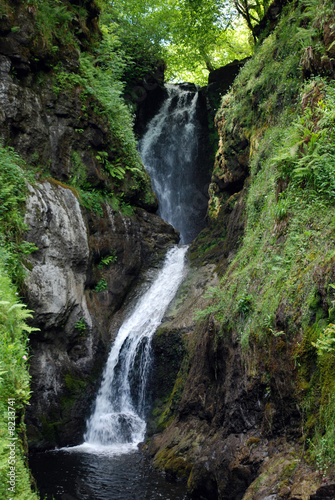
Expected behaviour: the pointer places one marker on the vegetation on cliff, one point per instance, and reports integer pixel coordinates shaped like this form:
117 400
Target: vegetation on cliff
277 295
261 359
14 331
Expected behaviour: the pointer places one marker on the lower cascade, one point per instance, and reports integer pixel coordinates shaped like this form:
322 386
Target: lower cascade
119 414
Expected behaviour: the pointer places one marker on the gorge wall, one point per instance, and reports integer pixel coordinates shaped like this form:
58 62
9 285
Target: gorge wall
249 413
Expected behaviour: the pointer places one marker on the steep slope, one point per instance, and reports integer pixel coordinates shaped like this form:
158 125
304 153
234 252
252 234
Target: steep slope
251 413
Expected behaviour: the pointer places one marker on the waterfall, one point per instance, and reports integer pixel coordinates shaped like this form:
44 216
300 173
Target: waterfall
119 414
169 151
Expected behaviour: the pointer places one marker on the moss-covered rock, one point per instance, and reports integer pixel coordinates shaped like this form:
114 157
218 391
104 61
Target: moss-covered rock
260 363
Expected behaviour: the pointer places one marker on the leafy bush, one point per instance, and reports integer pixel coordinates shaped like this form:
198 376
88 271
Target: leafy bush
13 191
14 383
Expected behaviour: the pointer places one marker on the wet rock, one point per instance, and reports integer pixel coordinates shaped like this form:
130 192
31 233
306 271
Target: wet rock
55 283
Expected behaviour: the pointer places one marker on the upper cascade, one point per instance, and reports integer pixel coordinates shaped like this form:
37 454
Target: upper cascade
170 152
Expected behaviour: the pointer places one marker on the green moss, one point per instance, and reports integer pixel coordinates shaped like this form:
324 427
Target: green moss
74 385
165 409
173 462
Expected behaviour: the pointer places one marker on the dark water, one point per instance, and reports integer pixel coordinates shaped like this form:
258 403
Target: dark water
85 476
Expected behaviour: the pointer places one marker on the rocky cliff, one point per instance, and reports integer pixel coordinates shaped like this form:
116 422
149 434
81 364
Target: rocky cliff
89 211
249 415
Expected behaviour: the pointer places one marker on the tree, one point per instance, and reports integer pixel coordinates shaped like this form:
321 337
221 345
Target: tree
192 36
252 11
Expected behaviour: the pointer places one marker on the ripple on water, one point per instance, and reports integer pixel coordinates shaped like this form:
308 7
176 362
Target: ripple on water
87 473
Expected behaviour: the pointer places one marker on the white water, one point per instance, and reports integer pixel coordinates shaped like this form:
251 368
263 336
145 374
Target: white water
169 151
118 419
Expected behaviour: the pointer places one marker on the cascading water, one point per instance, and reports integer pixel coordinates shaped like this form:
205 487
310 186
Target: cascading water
118 417
169 151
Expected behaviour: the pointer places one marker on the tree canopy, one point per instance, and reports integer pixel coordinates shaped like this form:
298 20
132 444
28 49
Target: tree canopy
193 37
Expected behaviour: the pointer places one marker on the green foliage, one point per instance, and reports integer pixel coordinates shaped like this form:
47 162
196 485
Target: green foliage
192 37
325 344
13 191
53 20
140 47
244 304
101 285
308 158
92 200
14 382
323 445
81 326
64 80
108 260
14 330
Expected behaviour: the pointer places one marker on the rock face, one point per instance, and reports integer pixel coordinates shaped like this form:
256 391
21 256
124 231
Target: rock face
54 125
56 281
88 260
74 312
222 429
